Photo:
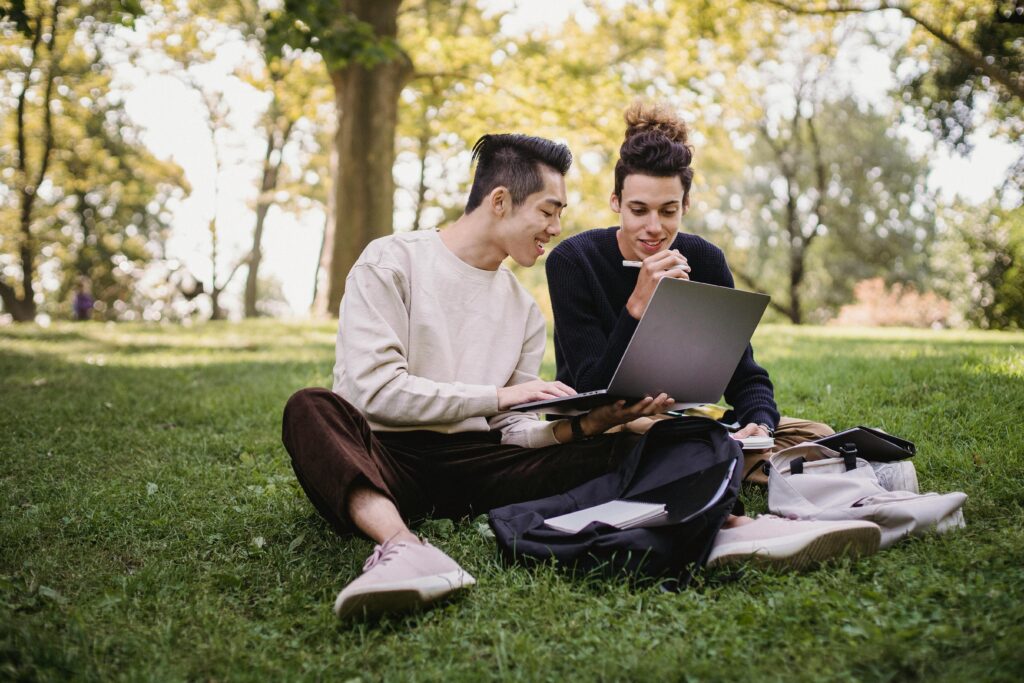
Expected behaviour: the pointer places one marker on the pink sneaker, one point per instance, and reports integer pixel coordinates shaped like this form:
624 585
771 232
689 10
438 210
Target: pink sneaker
401 576
793 544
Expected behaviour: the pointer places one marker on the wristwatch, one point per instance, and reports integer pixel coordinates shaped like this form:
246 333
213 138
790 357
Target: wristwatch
771 432
577 428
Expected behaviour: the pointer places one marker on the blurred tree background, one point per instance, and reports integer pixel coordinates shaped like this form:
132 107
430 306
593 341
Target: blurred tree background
818 127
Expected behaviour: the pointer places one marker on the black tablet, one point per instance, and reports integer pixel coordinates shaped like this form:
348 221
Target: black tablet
871 444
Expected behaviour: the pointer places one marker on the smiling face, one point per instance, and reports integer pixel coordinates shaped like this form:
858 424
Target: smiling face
525 230
650 211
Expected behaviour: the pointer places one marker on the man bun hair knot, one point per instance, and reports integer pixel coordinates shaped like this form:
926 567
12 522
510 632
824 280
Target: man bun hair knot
656 144
657 116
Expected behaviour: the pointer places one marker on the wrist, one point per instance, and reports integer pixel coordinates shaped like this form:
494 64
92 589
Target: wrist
635 307
767 429
579 432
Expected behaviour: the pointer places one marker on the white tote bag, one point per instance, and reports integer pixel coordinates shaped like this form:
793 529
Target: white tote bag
831 487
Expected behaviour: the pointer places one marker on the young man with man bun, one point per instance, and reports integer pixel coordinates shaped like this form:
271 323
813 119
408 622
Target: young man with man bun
601 282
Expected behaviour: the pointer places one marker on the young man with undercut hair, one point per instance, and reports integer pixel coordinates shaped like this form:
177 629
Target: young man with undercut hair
436 341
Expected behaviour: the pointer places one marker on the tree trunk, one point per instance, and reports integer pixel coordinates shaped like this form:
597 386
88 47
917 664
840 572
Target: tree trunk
215 311
276 140
319 306
795 239
421 187
323 260
366 100
796 277
23 308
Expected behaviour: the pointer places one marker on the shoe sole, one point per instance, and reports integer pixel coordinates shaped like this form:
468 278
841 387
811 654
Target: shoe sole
401 596
802 551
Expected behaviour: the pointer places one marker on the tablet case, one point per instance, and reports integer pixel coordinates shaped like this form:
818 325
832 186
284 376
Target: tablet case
870 444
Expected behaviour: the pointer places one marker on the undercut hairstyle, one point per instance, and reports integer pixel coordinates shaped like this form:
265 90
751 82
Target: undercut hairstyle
656 145
512 161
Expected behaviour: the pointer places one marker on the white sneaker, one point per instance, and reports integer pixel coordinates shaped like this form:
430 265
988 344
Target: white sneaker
896 476
399 577
793 544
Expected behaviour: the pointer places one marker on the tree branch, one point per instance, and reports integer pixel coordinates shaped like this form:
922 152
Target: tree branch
241 262
48 114
975 59
819 172
22 97
751 284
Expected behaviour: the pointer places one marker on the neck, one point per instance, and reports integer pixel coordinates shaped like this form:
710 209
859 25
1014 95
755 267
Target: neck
471 239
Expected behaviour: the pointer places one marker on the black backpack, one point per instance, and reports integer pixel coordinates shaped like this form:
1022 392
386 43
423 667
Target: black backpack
690 464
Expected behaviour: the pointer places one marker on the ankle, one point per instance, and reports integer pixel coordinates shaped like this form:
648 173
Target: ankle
734 521
404 536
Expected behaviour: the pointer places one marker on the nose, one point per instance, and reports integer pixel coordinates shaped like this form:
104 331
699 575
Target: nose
653 222
555 227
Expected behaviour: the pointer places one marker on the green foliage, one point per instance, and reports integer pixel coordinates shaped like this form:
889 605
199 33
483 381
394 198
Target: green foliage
979 265
22 14
954 93
99 211
830 195
152 528
330 28
962 67
570 83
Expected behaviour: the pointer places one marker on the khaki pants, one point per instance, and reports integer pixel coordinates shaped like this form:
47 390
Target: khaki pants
790 432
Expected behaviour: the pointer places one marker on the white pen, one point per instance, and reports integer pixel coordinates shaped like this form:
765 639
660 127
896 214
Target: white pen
632 264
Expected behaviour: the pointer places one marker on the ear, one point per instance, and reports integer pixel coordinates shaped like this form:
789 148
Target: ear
613 202
500 201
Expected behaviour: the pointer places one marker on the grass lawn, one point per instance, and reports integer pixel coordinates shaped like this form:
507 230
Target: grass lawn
151 528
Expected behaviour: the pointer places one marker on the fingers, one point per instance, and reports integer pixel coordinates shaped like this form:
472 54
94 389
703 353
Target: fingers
650 405
565 388
667 264
549 389
748 430
658 404
663 402
528 392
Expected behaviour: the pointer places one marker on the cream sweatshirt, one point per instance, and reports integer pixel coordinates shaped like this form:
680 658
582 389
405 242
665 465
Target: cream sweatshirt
425 340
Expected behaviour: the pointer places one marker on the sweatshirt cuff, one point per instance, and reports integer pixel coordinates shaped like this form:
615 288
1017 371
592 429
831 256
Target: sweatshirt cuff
481 399
539 434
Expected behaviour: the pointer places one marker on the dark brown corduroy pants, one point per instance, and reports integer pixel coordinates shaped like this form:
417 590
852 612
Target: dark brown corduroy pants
428 473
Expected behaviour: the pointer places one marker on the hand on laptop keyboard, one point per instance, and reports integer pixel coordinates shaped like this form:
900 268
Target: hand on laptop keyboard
537 390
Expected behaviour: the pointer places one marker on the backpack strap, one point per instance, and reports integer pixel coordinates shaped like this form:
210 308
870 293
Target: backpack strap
849 453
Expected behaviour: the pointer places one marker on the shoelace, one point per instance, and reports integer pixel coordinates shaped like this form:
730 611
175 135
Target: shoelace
381 554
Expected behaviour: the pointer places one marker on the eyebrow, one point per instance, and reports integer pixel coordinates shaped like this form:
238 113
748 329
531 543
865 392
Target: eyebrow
552 200
637 202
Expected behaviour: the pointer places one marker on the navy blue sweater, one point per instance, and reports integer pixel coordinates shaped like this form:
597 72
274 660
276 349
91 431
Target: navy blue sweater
589 289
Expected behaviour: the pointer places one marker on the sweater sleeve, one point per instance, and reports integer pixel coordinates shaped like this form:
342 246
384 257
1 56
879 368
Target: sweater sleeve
586 351
525 429
374 354
750 391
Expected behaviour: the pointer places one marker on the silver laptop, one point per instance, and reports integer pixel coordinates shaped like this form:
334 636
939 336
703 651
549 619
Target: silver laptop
687 345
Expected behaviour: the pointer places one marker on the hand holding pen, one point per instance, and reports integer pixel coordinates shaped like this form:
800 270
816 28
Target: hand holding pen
669 263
